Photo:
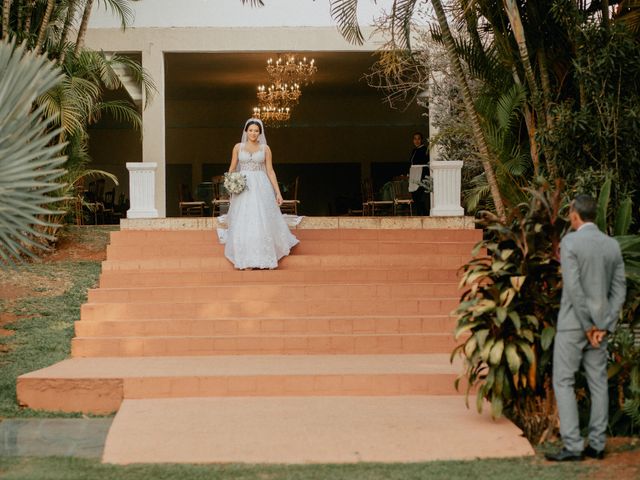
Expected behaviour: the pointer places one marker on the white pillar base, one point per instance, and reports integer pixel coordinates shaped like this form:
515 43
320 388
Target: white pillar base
142 214
447 178
142 189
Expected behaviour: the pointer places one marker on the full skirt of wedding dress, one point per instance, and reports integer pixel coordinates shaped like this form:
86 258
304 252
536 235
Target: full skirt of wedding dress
257 235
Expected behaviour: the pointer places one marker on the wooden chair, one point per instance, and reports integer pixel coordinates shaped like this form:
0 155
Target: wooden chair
109 206
401 197
92 200
122 206
78 201
187 206
290 205
369 203
220 198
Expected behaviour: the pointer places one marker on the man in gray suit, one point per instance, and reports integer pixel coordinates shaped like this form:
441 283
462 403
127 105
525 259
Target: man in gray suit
593 293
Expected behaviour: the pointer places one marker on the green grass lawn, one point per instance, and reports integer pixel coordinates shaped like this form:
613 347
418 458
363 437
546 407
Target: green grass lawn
44 327
72 469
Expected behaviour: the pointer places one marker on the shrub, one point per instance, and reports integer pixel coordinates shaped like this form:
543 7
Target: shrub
509 311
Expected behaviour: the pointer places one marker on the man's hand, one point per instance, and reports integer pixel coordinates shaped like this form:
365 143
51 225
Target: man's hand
596 336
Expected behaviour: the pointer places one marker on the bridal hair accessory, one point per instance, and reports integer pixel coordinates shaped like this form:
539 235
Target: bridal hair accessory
262 139
235 182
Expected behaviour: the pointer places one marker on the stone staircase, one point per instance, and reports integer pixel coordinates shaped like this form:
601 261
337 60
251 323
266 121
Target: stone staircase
352 312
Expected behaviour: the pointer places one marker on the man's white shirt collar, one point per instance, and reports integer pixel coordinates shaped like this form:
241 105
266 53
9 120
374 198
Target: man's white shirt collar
584 225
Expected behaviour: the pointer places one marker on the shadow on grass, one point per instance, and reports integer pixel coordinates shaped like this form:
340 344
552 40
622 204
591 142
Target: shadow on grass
497 469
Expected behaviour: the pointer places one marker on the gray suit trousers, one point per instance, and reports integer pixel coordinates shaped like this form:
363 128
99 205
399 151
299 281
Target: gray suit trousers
571 349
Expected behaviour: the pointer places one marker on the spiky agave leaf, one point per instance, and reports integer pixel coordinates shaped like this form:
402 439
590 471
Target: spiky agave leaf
30 158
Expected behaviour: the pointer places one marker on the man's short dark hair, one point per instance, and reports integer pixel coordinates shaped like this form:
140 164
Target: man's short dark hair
419 134
586 207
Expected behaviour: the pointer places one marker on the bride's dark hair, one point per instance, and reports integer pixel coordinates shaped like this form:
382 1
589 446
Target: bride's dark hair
252 122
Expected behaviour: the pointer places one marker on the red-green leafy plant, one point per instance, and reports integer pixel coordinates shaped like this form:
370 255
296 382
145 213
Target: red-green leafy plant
507 315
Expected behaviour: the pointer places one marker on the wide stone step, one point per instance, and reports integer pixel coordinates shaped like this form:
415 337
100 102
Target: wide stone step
182 237
273 292
98 385
253 308
304 430
298 262
263 344
192 278
162 250
252 326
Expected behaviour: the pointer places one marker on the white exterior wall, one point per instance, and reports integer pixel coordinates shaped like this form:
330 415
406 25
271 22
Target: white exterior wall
233 13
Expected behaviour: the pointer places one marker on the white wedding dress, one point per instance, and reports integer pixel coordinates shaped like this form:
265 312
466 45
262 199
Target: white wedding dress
257 235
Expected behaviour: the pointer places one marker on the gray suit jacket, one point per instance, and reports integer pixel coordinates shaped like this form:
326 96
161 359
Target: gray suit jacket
594 286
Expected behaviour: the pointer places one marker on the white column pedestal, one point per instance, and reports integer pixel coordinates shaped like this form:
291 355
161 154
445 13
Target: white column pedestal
142 189
447 178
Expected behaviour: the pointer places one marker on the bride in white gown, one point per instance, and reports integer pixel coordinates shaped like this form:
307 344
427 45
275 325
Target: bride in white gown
257 235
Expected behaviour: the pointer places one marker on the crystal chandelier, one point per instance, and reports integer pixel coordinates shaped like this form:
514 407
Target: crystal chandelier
279 95
272 116
288 69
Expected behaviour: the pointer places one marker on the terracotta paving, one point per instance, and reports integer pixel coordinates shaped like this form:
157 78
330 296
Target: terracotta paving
307 430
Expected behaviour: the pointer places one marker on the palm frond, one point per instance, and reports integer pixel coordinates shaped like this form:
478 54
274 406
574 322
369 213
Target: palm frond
139 74
402 12
121 8
29 158
106 72
509 104
120 110
345 14
628 13
479 193
84 174
517 164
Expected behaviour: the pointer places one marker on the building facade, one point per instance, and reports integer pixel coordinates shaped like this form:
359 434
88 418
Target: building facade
207 58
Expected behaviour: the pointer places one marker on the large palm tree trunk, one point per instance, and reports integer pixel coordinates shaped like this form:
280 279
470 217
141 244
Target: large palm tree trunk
605 13
6 10
511 8
472 113
83 26
71 13
44 25
27 16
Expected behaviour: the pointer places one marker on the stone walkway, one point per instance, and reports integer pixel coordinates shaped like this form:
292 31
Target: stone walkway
60 437
297 430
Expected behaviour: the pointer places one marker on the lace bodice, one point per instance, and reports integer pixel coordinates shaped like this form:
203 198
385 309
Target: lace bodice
251 162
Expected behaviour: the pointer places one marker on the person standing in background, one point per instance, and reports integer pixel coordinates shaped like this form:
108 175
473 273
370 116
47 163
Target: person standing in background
420 156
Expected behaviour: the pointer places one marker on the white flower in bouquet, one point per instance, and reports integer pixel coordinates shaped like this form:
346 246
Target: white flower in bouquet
235 182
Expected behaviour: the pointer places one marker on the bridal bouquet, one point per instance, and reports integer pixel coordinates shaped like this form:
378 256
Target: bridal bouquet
235 182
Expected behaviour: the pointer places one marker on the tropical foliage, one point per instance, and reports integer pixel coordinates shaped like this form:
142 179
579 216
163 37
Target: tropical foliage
573 61
549 89
57 30
624 347
30 164
507 315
